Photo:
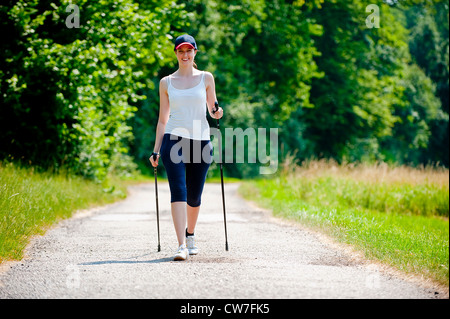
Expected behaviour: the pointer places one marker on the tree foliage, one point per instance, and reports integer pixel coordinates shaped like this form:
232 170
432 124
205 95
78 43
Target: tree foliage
67 93
87 98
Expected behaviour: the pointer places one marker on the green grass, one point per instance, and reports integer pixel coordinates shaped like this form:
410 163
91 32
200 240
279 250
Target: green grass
30 202
402 222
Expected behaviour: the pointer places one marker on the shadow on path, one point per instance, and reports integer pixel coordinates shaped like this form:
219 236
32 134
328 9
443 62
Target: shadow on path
107 262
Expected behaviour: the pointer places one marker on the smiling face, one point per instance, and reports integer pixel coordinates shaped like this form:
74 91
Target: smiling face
185 55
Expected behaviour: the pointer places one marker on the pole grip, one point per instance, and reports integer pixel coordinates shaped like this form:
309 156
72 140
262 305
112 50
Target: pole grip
216 107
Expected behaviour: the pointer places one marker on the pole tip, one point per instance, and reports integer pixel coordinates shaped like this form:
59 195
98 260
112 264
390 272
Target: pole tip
159 248
226 246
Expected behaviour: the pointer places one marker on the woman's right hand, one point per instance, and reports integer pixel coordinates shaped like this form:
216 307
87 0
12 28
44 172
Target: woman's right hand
153 161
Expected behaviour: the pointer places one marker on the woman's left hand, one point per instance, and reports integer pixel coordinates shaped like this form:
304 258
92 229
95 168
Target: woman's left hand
218 114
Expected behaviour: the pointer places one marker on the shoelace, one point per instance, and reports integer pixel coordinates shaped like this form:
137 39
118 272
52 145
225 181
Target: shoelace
181 248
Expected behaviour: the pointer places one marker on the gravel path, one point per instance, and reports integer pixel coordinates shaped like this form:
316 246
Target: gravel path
111 252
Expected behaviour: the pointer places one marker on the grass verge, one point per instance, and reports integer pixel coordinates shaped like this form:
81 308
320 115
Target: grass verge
30 202
398 216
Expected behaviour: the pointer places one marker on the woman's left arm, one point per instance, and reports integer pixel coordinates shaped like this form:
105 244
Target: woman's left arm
211 97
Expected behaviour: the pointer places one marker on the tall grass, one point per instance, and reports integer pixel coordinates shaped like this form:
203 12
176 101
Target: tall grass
405 190
397 215
30 202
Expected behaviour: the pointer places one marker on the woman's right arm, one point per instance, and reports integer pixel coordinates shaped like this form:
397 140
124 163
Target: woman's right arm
164 112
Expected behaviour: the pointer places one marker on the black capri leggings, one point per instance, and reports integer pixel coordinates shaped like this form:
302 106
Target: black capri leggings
187 162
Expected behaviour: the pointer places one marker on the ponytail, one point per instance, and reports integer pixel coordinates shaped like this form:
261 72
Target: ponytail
195 65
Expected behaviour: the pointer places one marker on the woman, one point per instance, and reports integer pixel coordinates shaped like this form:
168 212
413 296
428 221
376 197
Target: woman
183 139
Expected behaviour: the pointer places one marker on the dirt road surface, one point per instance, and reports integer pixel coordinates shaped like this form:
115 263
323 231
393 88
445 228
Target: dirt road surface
111 252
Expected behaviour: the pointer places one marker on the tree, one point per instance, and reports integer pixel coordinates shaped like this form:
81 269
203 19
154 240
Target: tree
66 92
429 46
261 54
361 105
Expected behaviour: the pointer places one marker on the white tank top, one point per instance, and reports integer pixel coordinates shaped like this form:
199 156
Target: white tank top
188 111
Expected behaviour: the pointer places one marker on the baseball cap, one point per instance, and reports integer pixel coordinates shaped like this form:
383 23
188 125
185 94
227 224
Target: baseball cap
185 39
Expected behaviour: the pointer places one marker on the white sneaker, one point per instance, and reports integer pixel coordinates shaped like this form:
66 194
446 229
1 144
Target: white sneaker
182 253
190 241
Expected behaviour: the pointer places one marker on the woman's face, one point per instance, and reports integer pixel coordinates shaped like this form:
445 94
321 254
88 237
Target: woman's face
185 55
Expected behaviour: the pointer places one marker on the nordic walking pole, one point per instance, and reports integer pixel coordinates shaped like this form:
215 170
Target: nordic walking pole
157 204
216 104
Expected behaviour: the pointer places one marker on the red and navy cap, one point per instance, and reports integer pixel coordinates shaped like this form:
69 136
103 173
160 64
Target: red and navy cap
185 39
